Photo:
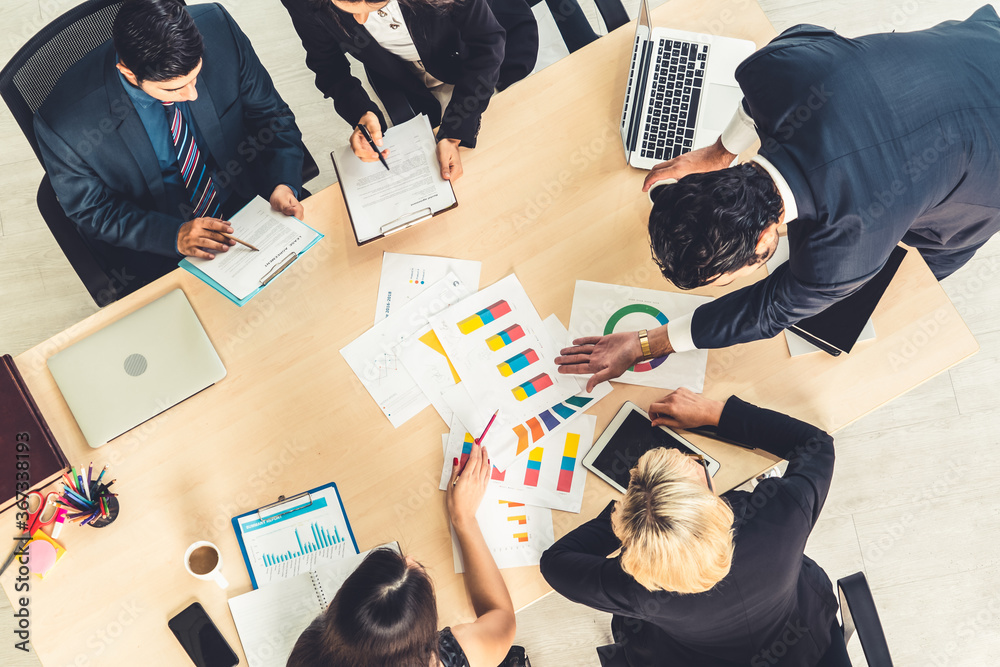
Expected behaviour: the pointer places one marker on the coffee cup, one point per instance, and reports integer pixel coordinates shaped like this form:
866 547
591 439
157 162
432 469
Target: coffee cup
203 560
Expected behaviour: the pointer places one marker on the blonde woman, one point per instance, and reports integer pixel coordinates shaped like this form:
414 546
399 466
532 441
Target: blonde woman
708 580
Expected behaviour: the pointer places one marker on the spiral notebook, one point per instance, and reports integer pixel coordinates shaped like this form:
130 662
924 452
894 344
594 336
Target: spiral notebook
269 620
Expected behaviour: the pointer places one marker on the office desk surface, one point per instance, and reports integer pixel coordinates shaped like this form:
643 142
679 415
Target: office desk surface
546 195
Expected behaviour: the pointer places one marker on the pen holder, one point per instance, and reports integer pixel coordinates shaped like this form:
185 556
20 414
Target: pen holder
101 522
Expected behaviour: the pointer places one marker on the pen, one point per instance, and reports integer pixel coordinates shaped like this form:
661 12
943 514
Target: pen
368 138
230 236
90 473
103 470
479 440
60 520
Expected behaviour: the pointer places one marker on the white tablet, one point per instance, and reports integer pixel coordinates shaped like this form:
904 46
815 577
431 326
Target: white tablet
630 435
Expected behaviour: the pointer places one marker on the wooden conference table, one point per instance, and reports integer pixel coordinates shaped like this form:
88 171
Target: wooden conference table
546 195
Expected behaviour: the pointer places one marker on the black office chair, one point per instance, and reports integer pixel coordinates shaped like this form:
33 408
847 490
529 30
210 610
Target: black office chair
857 607
25 83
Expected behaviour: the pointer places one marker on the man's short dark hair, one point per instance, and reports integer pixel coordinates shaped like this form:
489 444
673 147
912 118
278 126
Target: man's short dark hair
708 224
157 39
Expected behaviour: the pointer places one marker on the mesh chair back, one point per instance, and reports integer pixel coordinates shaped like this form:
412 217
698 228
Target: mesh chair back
28 79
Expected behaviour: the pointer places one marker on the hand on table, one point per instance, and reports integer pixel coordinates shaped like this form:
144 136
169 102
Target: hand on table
449 159
685 409
709 158
467 487
360 145
199 236
283 199
607 357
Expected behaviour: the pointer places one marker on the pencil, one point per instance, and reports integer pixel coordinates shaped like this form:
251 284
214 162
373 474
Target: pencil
103 470
230 236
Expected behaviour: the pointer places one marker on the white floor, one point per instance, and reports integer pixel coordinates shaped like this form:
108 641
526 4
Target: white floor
910 504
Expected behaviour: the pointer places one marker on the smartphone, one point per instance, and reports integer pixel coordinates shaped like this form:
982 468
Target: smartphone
203 642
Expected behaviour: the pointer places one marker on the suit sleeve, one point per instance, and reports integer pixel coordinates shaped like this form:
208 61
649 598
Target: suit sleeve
485 40
325 57
263 109
578 568
808 450
95 208
764 309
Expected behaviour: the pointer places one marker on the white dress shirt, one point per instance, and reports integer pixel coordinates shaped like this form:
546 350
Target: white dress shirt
387 27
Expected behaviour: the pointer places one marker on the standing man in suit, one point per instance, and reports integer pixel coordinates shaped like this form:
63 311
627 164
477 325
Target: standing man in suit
707 580
153 138
864 143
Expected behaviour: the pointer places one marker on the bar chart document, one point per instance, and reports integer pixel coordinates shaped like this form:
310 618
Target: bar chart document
381 201
287 539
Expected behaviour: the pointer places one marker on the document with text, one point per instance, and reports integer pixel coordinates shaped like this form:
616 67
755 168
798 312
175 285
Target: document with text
381 201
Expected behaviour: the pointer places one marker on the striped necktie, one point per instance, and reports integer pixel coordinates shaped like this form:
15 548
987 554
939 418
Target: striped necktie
197 177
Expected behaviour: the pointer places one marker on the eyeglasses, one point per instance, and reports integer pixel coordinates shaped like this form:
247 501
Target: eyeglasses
704 464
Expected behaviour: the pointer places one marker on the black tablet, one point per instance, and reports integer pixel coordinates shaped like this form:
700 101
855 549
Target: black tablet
630 435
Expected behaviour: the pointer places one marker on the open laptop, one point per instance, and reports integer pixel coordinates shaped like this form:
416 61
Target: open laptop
135 368
681 91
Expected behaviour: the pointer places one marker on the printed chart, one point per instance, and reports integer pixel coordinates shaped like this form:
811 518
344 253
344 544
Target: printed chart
600 309
505 357
406 276
515 532
550 475
306 531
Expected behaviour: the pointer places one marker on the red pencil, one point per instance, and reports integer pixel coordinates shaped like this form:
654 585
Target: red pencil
479 440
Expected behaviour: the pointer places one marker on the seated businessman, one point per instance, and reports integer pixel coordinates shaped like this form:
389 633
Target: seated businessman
864 143
153 138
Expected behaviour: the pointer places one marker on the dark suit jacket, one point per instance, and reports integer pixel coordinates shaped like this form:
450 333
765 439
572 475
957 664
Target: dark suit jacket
882 138
468 47
774 603
102 164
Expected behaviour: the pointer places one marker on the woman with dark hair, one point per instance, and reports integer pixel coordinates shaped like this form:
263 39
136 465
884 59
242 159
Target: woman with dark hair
449 54
385 613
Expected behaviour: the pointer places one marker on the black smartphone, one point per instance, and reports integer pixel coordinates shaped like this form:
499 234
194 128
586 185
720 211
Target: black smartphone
203 642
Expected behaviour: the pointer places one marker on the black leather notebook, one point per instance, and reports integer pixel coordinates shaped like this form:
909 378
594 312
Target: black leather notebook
837 328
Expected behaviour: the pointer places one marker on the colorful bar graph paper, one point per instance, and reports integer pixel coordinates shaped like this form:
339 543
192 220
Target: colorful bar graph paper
466 450
549 420
483 317
505 337
517 363
521 519
564 411
579 401
568 463
497 475
521 537
532 387
534 467
509 503
321 538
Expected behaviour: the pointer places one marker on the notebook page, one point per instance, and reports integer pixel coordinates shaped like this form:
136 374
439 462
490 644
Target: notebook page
269 620
377 198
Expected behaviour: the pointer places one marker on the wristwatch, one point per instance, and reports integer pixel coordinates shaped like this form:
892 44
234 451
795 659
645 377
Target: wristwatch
647 354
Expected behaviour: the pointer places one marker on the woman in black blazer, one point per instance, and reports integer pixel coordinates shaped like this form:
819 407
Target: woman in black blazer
476 46
725 582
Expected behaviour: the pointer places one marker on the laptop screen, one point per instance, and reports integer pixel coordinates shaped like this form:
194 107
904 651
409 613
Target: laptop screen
636 81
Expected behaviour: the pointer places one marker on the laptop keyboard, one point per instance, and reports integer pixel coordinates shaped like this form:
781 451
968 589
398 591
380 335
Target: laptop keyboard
678 78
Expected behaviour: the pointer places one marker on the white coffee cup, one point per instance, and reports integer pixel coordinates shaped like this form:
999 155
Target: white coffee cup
203 554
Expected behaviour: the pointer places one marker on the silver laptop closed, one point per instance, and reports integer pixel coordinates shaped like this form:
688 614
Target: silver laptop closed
135 368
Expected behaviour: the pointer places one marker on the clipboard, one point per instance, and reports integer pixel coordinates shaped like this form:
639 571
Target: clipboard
404 221
308 522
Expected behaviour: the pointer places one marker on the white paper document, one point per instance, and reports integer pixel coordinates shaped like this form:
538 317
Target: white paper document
405 276
270 620
277 237
600 309
516 533
374 356
505 358
797 345
379 200
551 475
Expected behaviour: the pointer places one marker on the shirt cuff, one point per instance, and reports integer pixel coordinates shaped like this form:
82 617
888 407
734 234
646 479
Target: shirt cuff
679 333
741 132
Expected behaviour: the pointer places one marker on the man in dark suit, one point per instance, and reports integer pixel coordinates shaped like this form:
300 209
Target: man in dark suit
153 138
774 606
864 143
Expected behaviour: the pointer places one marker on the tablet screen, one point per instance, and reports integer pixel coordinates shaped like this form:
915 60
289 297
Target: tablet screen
634 437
